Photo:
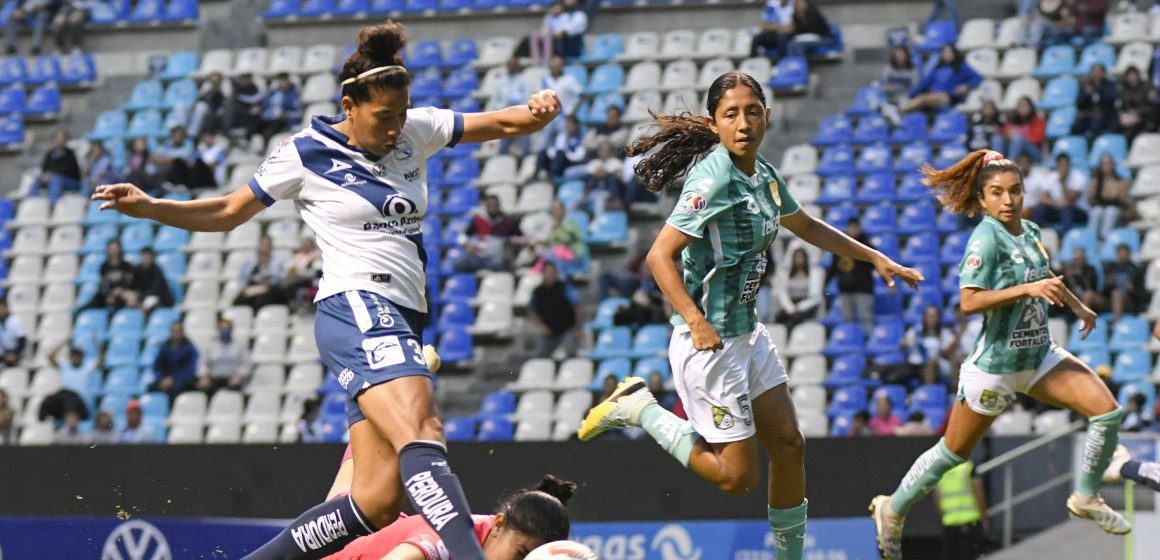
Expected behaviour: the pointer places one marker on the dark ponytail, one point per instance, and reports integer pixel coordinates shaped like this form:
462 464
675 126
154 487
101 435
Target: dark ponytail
378 46
541 512
685 138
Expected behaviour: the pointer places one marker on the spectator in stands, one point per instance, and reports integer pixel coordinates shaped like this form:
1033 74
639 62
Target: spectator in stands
603 189
568 89
634 190
69 24
927 346
1124 284
37 12
69 432
666 398
1081 277
171 156
77 374
7 418
115 289
207 168
636 276
59 170
1050 21
282 106
183 163
134 431
612 132
303 270
565 243
1108 197
898 77
798 289
511 89
1025 131
176 364
642 309
566 150
226 363
1096 104
150 284
1089 16
539 46
884 422
855 282
555 311
99 168
244 107
940 7
308 429
966 330
986 129
782 20
210 110
139 167
568 30
945 85
1135 417
488 239
104 432
915 426
1137 104
13 337
1059 195
860 424
261 278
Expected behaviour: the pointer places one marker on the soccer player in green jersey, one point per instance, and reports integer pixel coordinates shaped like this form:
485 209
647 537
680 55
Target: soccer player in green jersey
1005 276
727 371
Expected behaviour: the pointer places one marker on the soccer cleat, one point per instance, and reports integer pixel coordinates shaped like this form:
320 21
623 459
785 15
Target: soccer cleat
1094 508
620 410
889 527
1119 457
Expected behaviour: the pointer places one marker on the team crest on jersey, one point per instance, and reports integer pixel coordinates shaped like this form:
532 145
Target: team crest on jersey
695 202
403 151
974 262
773 189
379 170
722 418
990 399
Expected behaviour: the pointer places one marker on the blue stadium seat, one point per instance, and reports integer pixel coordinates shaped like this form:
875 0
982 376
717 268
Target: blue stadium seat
11 131
172 263
938 34
344 8
835 129
931 274
90 270
597 113
950 283
923 247
912 157
605 311
646 367
927 397
180 11
316 8
608 227
182 93
459 428
651 341
146 123
1117 237
949 126
461 82
604 48
840 215
160 320
97 237
866 102
1097 341
136 236
12 99
281 9
461 53
897 396
459 288
465 104
925 297
123 381
606 78
1056 60
618 368
836 160
1076 148
837 189
613 342
888 244
109 125
43 70
488 4
848 399
128 322
495 429
455 316
870 129
180 66
847 370
330 385
13 70
792 73
91 324
846 338
877 187
917 218
427 83
43 102
1132 365
145 11
1059 93
456 346
497 403
416 6
1078 238
948 222
953 248
169 239
123 350
949 154
85 293
1130 333
78 70
1112 144
1094 358
461 171
384 6
425 54
107 13
885 337
874 158
880 218
456 227
911 129
911 189
840 424
571 193
1095 53
460 202
1142 387
1059 122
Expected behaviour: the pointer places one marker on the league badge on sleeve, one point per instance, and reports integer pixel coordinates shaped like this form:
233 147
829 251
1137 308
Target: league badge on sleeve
695 203
974 262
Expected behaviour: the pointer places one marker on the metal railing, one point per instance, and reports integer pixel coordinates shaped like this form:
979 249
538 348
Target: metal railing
1010 498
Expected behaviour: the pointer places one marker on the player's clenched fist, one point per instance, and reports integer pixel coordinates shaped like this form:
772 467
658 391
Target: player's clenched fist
544 105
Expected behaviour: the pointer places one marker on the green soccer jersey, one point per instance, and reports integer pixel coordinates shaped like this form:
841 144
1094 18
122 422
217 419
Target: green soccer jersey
733 219
1014 337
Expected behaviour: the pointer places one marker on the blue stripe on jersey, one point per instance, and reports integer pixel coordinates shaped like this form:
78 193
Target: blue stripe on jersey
318 158
456 130
417 239
258 192
325 126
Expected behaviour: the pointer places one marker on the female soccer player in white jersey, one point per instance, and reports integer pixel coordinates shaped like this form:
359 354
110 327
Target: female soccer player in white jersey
726 368
1005 274
359 181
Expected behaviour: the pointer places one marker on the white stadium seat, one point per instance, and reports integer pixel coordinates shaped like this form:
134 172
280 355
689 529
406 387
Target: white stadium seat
573 405
1127 27
1023 87
806 338
217 60
319 88
1050 421
286 59
759 67
574 373
643 76
494 319
1010 33
269 348
1137 54
495 51
711 70
225 407
302 349
251 60
65 239
304 378
497 170
813 423
976 33
808 369
59 296
534 430
679 75
1014 422
31 212
641 45
535 405
985 61
714 42
263 407
537 373
188 408
639 105
679 43
69 210
799 159
25 269
535 197
186 434
809 397
224 432
496 286
1145 150
272 319
260 432
318 59
988 90
1017 63
208 240
266 378
30 240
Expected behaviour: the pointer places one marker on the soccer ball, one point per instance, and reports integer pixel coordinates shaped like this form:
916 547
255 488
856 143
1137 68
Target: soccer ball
562 550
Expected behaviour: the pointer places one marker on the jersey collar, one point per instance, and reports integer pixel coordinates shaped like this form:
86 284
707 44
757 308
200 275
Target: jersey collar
763 175
324 125
999 225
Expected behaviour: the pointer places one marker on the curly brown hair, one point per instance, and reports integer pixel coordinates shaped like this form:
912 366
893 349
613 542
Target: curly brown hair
685 138
959 186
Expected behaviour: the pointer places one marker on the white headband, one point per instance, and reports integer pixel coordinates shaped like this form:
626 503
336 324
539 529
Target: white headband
372 72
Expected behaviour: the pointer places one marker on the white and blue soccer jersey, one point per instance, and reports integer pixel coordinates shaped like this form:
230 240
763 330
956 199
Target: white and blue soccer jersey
366 211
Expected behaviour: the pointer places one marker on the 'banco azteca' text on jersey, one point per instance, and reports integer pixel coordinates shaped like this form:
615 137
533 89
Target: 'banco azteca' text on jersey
366 211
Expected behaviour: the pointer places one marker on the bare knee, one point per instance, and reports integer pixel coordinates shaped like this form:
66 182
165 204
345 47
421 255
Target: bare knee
380 505
787 445
738 482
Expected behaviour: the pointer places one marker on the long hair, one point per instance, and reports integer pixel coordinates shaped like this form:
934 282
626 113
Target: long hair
541 512
684 138
958 187
378 46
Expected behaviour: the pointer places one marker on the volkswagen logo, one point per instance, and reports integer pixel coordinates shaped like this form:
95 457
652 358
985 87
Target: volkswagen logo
136 540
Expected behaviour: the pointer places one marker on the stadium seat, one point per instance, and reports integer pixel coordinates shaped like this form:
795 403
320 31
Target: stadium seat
1130 333
456 347
495 429
1132 365
1096 341
44 69
1093 358
1013 422
1111 144
12 132
574 373
845 338
880 218
607 78
13 70
911 189
1017 62
870 129
1145 150
937 34
792 74
1059 93
976 33
847 370
12 99
800 159
651 341
912 128
874 158
1095 53
877 187
928 397
603 48
43 103
948 155
123 381
609 228
835 160
835 129
534 405
1127 27
1060 122
537 373
866 101
180 65
1057 60
185 11
922 247
917 218
949 126
613 342
78 70
1117 237
1018 89
984 61
885 337
1084 238
848 399
1137 54
896 394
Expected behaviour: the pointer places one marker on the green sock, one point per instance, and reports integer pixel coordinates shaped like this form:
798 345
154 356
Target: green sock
1103 433
923 475
676 436
789 531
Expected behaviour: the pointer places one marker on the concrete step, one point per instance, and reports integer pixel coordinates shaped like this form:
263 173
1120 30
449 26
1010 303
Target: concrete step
1075 538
